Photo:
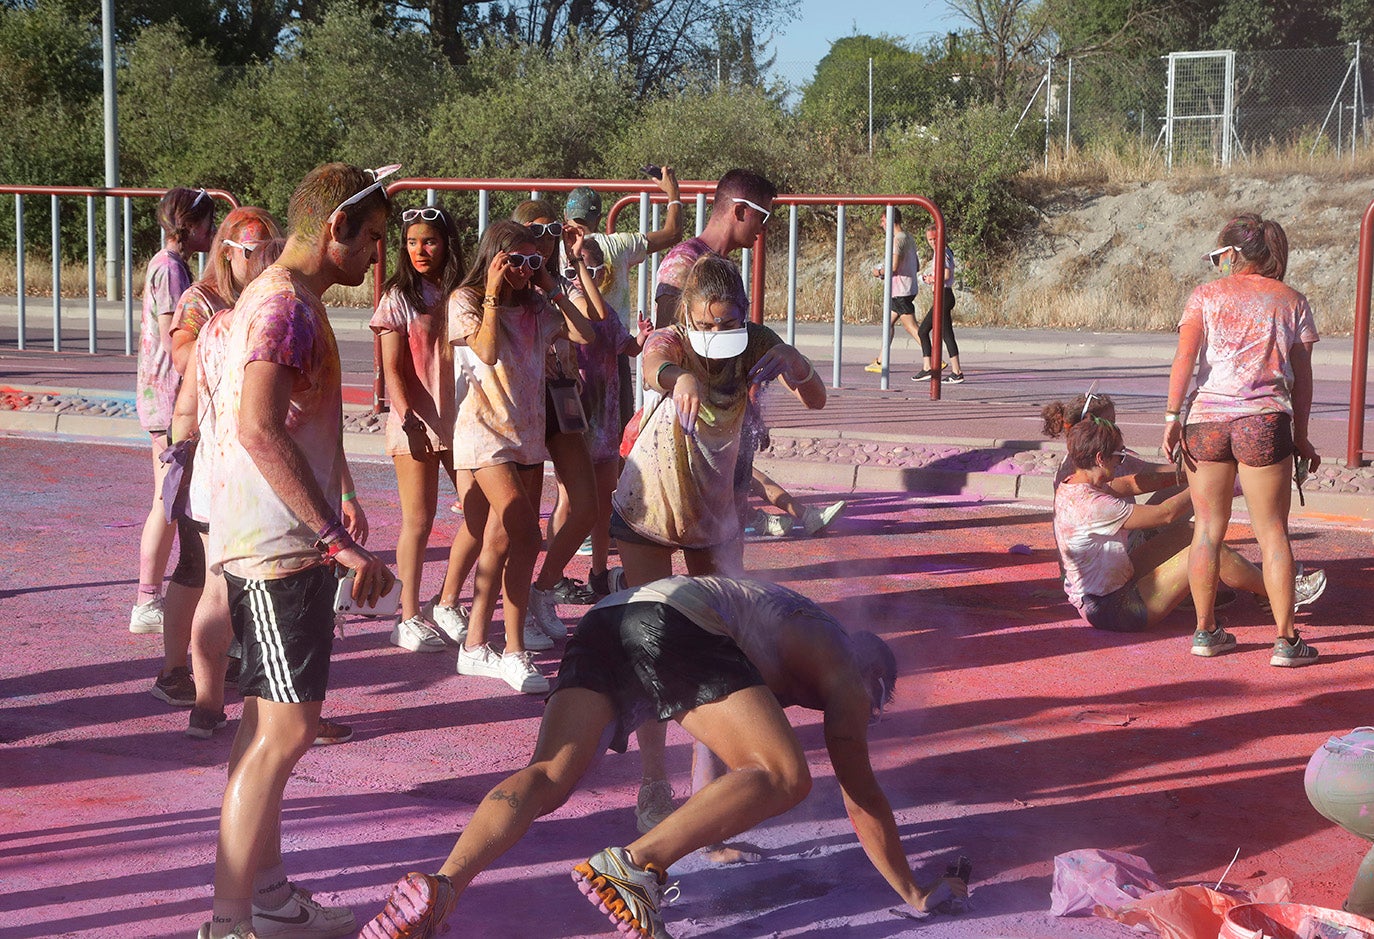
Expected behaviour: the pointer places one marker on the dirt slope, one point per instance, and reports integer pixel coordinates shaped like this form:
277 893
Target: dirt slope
1125 257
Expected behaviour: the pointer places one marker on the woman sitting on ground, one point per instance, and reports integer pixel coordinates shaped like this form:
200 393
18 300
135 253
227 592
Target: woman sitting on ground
1112 586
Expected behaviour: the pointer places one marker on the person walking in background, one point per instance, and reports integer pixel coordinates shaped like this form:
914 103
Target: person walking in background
417 362
946 291
277 534
187 218
905 265
1249 336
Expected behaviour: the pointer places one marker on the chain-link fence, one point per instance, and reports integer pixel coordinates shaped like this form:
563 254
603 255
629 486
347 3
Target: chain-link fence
1212 107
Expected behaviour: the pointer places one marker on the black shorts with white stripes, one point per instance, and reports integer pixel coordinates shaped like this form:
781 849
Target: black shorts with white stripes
287 630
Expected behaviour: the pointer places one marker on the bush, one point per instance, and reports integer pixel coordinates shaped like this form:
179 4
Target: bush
966 162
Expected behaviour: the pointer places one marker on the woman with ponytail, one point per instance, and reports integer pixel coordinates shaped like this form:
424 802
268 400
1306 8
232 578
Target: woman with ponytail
1249 336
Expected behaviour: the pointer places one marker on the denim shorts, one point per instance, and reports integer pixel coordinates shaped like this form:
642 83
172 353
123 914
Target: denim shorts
1121 611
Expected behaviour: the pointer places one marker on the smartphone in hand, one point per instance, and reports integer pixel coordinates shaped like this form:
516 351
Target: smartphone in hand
386 603
652 170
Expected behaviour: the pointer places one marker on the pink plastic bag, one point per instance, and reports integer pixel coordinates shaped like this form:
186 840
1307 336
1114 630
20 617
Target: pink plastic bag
1092 877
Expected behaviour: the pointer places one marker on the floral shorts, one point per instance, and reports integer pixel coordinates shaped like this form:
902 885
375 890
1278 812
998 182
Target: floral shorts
1257 440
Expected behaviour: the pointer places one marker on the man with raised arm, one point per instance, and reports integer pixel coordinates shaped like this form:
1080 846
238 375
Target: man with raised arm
722 657
277 533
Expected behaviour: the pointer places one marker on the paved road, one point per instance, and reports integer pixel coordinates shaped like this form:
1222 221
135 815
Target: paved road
1017 733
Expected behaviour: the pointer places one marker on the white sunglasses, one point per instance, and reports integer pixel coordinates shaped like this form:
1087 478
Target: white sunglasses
247 247
1215 256
756 207
1088 400
200 194
377 175
427 214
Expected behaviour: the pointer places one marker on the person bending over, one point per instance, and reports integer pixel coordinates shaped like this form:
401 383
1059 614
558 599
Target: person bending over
722 657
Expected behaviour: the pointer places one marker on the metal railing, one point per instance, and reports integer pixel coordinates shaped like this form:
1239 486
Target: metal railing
1359 358
758 262
56 193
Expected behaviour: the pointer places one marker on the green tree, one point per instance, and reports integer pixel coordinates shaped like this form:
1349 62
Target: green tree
524 112
906 86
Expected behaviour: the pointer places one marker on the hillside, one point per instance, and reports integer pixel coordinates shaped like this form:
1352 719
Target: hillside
1116 257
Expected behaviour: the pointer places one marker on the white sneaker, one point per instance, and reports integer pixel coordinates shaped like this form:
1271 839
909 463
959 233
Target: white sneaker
417 636
585 550
146 617
534 638
1308 586
518 671
773 524
544 610
654 804
818 520
481 662
303 918
452 621
615 579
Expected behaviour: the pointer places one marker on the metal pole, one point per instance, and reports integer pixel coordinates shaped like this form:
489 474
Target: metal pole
483 210
791 275
889 238
1229 103
839 296
431 197
644 268
56 276
870 105
107 42
1354 101
1068 108
1169 116
91 255
129 275
745 265
1359 365
701 214
1049 95
19 266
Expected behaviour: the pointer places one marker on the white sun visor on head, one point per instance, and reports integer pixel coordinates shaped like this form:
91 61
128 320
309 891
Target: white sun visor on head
719 344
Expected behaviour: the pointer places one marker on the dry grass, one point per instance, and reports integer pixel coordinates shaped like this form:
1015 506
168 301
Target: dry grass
1104 163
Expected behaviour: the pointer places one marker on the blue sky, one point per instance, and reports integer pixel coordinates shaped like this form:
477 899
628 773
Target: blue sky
805 40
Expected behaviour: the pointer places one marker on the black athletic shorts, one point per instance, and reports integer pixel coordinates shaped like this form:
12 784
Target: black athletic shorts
652 662
287 630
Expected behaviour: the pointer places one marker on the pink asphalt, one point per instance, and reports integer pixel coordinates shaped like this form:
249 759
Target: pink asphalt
1018 733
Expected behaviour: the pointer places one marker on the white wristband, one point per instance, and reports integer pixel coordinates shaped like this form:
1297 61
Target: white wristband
675 202
1170 417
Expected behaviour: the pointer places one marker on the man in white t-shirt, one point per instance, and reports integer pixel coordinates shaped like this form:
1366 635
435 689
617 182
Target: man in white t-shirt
622 251
277 530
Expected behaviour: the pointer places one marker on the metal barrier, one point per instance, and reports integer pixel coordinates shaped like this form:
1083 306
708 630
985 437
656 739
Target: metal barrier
1359 374
759 261
535 187
91 194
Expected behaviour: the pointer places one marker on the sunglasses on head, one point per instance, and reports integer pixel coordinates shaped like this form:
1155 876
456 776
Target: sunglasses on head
756 207
247 247
533 261
427 214
593 271
1215 256
377 175
200 194
540 229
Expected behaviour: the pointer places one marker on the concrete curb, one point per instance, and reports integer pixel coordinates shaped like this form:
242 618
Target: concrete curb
1346 507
